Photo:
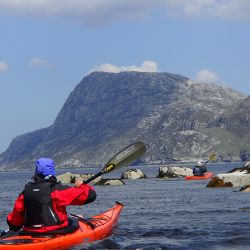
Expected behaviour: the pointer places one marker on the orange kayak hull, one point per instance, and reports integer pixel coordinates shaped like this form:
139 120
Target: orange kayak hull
207 175
104 224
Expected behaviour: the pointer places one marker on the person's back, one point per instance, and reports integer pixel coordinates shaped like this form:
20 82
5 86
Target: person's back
41 207
199 169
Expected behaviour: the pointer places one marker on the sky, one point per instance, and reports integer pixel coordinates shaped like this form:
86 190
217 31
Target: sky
48 46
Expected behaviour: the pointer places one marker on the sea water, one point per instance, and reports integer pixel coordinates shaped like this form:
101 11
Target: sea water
158 213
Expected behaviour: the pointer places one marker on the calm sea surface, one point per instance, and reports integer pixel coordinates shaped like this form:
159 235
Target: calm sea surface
159 214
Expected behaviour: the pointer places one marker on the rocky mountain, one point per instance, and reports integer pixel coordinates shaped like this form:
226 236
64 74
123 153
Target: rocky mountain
177 118
233 129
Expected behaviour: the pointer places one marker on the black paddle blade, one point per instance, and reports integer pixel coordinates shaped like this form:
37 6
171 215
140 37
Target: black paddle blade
125 156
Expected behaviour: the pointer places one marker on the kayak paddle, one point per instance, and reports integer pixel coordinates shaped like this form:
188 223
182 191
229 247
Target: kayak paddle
121 159
212 157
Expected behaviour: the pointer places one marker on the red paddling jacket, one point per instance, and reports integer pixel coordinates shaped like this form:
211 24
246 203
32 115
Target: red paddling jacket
41 207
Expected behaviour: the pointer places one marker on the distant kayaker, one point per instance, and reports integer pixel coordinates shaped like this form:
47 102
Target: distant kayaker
199 169
41 207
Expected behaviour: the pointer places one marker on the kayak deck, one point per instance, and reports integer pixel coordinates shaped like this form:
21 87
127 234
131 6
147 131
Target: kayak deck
207 175
95 228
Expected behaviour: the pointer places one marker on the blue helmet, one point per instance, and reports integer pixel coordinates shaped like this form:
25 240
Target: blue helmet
45 166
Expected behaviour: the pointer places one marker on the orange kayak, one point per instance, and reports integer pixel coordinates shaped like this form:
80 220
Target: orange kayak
92 229
207 175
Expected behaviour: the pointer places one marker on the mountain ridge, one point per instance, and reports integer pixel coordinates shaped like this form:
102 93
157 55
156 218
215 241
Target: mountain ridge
173 115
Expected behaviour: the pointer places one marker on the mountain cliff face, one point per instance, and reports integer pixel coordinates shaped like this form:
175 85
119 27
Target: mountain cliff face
233 129
177 119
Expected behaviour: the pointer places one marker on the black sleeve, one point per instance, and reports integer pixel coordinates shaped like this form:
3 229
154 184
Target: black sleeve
91 196
13 228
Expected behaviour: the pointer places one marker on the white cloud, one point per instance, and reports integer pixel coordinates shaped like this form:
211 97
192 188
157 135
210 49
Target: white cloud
39 63
146 66
226 9
3 66
100 12
207 76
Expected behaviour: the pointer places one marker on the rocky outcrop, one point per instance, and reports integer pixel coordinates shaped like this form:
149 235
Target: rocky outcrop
68 178
65 178
245 189
133 174
247 165
216 182
172 172
237 177
110 182
243 170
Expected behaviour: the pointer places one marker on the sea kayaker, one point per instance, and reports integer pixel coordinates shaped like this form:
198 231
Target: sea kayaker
199 169
41 207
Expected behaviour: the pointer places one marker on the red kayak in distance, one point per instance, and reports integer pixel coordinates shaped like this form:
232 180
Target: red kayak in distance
207 175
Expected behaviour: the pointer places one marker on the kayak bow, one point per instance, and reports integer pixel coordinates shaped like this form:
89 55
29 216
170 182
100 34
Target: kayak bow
92 229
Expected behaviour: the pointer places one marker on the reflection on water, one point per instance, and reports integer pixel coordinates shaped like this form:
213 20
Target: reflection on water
159 214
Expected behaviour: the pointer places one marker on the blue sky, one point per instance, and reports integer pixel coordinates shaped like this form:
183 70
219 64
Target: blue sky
48 46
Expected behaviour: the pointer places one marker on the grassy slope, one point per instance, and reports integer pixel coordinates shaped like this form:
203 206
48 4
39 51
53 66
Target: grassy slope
229 143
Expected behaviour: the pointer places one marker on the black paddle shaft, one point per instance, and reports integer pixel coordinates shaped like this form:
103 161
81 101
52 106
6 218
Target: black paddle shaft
93 177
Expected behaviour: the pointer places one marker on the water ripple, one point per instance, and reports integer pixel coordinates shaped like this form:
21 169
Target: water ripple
159 214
